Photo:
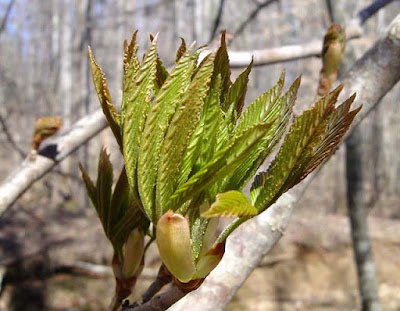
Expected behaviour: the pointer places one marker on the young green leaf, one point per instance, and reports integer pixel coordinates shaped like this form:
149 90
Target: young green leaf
194 149
237 92
103 186
266 106
126 211
221 164
326 144
198 228
229 204
178 134
162 74
313 136
109 110
131 66
181 50
136 107
281 110
211 119
158 119
221 67
90 187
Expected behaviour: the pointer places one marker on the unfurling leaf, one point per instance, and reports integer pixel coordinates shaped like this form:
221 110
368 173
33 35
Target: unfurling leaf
269 107
119 212
203 143
221 67
231 203
103 187
135 108
158 120
109 110
313 136
180 130
181 50
186 143
237 92
220 165
90 187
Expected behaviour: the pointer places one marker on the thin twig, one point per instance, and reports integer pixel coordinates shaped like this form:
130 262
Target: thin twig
369 11
6 15
217 21
10 138
253 14
239 59
163 278
53 152
160 302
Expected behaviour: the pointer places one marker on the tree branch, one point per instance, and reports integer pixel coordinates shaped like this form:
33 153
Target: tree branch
54 151
217 21
160 302
372 76
297 51
252 16
369 11
163 278
6 15
287 52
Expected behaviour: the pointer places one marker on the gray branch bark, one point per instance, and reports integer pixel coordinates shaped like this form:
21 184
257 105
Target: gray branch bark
356 195
53 152
358 212
287 52
372 77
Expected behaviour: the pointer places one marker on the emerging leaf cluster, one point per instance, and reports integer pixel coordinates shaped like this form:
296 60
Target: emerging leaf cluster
190 147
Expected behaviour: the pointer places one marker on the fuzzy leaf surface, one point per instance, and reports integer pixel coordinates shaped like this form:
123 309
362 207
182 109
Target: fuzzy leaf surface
237 92
221 164
262 108
313 136
278 112
157 123
136 107
180 130
211 119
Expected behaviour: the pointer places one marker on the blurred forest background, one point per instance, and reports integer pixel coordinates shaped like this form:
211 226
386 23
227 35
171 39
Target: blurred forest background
49 236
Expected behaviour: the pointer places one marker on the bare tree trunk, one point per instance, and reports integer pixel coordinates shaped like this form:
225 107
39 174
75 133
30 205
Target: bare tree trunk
359 227
66 70
88 79
66 64
356 194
